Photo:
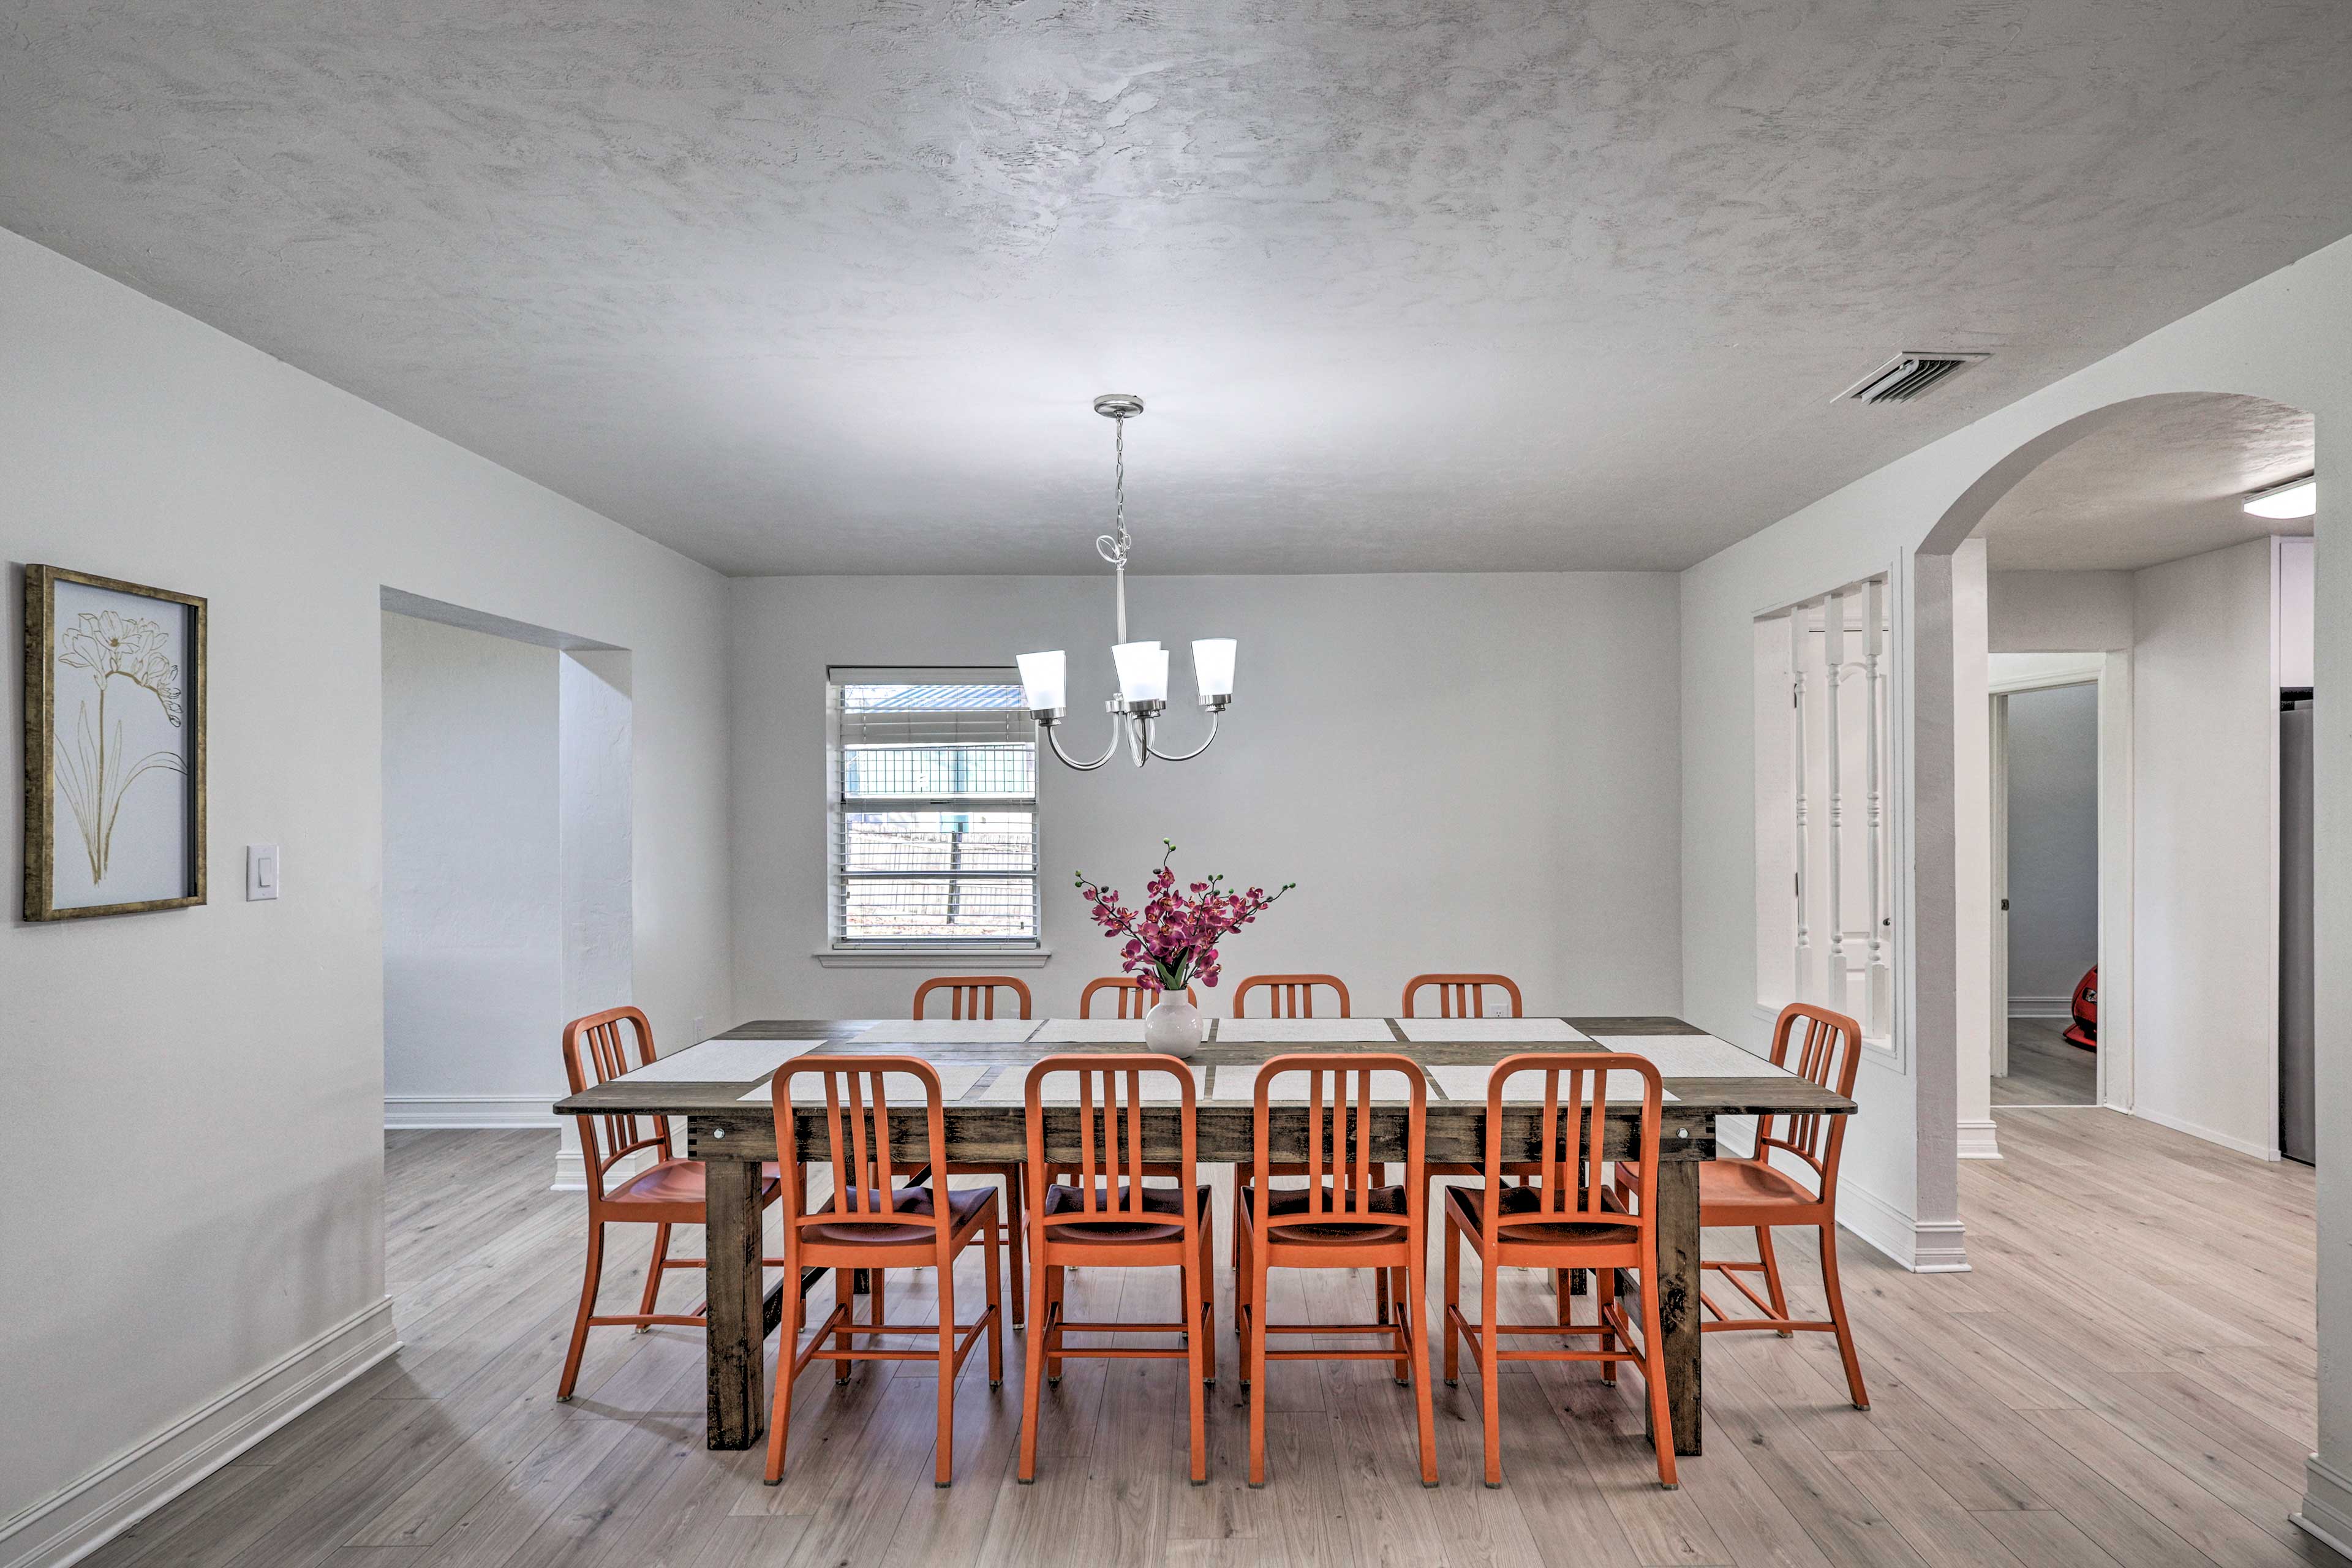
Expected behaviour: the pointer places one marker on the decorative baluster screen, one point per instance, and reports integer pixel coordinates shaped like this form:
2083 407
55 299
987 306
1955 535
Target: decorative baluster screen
1824 871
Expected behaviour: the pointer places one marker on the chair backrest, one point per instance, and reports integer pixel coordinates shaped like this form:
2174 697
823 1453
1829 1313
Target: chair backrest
1571 1140
856 1138
972 996
1829 1056
595 1051
1463 995
1109 1114
1342 1172
1289 995
1133 1001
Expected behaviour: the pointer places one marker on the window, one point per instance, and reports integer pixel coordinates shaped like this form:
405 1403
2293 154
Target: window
933 818
1825 841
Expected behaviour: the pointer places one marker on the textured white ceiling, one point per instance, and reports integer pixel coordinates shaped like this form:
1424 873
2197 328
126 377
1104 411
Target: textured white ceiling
2160 484
828 288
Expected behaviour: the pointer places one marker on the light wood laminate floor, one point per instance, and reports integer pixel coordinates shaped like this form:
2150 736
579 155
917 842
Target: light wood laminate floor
2043 1069
2091 1395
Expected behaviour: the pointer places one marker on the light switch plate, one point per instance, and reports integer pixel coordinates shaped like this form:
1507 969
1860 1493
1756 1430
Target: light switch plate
260 872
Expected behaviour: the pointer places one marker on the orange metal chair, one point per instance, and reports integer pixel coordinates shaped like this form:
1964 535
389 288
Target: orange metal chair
668 1193
1565 1218
1463 995
878 1227
1133 1001
1109 1218
1757 1194
974 996
1344 1218
1290 995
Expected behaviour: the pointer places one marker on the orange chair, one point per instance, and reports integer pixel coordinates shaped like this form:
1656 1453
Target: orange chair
971 996
1757 1194
1134 1002
1565 1218
668 1193
1109 1218
1344 1218
1463 995
878 1227
1290 995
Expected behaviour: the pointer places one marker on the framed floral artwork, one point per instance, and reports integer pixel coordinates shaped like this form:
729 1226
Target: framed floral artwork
114 746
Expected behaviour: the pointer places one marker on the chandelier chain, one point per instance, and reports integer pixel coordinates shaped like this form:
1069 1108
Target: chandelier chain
1113 547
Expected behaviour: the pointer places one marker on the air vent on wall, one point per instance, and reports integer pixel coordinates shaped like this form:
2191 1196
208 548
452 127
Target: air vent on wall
1908 374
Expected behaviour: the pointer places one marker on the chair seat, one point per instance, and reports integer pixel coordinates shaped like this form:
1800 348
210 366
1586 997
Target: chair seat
1728 1189
1065 1200
670 1182
964 1205
1282 1201
1466 1205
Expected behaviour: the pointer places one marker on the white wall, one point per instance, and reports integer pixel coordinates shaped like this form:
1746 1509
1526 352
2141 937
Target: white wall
473 883
2059 612
1459 773
2053 844
597 721
2205 797
2280 338
1972 852
212 1079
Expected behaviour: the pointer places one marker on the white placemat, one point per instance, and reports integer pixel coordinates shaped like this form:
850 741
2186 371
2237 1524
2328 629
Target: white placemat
1693 1056
1240 1083
723 1061
947 1032
1062 1087
1089 1031
956 1080
1488 1030
1468 1081
1286 1031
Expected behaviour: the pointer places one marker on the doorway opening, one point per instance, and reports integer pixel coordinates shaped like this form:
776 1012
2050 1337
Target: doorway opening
2046 1049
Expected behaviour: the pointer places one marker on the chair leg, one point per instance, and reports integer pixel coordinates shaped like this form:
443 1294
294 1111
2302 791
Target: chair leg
1244 1309
845 1296
1056 1285
1453 1301
1197 1334
1406 1311
1381 1295
588 1286
1773 1276
1654 1379
1425 1409
654 1277
779 1404
1017 1212
1490 1370
943 1471
1209 1305
1837 1315
995 1315
1033 1365
1604 1300
1257 1375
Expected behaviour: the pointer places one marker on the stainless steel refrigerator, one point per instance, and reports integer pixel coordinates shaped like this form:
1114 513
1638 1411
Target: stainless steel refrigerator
2296 964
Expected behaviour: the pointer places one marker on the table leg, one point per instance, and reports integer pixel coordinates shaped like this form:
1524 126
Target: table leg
1678 1303
737 1365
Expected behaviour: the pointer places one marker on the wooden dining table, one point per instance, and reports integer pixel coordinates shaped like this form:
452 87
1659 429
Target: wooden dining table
733 1134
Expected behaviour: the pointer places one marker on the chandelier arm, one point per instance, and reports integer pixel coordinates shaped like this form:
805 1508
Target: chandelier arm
1188 756
1055 740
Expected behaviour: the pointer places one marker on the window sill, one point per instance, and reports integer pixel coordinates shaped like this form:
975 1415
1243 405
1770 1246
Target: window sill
956 957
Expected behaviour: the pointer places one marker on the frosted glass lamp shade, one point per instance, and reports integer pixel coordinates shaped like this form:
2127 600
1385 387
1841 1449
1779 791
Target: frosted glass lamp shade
1142 671
1212 665
2299 499
1044 680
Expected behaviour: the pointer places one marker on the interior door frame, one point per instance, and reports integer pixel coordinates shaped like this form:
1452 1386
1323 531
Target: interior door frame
2111 672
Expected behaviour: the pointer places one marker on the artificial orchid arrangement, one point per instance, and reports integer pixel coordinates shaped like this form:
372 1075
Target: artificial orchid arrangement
1174 942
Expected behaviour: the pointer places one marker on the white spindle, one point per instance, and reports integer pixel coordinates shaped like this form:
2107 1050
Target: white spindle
1879 981
1797 662
1832 663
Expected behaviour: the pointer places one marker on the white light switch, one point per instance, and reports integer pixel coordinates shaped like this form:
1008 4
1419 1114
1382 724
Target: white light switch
260 872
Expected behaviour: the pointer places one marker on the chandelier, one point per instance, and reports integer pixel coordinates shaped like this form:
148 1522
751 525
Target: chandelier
1143 666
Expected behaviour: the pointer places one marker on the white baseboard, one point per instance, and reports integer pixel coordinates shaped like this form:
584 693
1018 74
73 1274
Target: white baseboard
70 1524
411 1111
2327 1514
1922 1246
2227 1140
2041 1007
1979 1140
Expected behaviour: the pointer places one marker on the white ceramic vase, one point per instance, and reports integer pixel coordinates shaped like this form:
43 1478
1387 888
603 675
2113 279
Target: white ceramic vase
1173 1025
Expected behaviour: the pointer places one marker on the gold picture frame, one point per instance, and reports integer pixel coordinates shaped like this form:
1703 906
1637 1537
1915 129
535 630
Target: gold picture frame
151 666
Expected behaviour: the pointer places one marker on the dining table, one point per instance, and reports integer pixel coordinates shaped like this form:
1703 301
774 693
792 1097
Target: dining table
719 1089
